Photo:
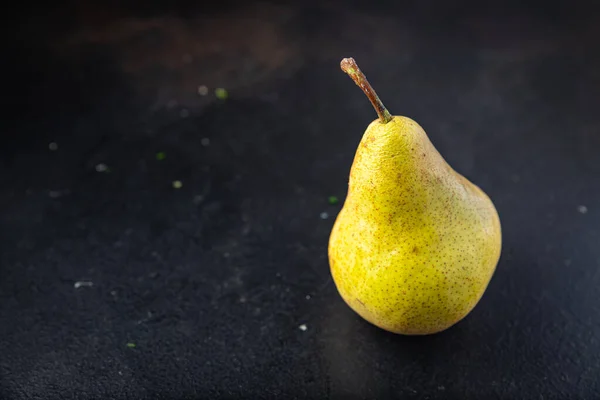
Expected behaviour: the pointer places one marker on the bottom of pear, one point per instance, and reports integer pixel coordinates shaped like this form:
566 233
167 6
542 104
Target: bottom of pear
403 329
409 332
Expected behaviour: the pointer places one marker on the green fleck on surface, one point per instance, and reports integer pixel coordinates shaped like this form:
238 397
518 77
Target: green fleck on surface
160 156
333 200
221 93
131 345
177 184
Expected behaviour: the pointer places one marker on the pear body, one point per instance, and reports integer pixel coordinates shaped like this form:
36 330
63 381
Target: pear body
415 245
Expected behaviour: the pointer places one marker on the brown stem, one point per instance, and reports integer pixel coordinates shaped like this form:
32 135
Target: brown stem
350 67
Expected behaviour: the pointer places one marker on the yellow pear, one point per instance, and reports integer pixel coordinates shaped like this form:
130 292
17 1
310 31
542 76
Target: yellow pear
415 245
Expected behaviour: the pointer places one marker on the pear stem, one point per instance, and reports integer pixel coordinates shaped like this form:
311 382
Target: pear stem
350 67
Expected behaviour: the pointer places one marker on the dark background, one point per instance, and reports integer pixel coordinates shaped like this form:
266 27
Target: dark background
212 281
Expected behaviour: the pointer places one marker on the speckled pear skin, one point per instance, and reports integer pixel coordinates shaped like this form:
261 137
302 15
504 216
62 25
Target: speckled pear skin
415 245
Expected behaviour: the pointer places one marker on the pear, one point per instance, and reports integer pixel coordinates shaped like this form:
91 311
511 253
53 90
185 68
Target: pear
415 244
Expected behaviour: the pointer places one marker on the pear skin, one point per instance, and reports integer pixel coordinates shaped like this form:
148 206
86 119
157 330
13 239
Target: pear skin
415 245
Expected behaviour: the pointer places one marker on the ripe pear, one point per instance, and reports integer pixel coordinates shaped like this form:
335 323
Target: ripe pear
415 245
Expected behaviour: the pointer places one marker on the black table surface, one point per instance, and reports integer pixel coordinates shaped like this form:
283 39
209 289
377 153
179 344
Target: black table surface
116 285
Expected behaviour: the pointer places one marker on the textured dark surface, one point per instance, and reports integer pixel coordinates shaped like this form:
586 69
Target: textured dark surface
212 281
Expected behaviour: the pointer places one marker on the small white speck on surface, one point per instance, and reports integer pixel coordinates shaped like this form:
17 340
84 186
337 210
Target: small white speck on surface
202 90
53 146
177 184
101 167
79 284
205 142
324 215
243 299
308 297
226 255
303 327
113 293
582 209
184 113
441 388
120 373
